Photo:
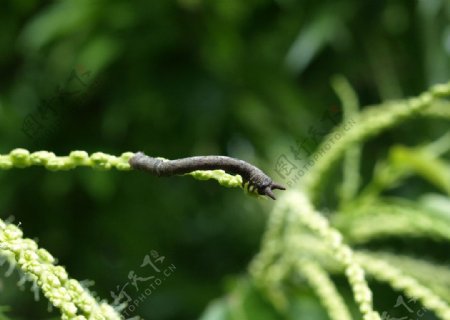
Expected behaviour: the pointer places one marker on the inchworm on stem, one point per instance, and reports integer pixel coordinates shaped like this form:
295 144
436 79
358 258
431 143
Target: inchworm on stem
255 178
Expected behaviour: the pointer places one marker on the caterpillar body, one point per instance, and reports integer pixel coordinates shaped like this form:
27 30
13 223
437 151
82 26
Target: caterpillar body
253 178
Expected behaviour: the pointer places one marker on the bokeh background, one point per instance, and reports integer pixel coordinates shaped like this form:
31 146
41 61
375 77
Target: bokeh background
179 78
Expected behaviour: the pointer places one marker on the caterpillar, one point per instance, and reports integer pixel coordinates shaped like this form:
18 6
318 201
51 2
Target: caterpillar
254 178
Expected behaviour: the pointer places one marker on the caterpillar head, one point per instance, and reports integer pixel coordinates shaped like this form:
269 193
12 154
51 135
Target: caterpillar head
266 189
262 184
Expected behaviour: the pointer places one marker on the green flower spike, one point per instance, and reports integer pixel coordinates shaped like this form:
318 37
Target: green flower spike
73 301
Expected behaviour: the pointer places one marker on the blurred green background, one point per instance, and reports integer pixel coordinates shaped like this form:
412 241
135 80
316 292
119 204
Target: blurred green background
179 78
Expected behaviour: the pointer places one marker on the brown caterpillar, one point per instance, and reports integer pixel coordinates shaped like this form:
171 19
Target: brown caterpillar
254 178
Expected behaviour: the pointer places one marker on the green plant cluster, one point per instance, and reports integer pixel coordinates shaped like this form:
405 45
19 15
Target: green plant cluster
299 241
